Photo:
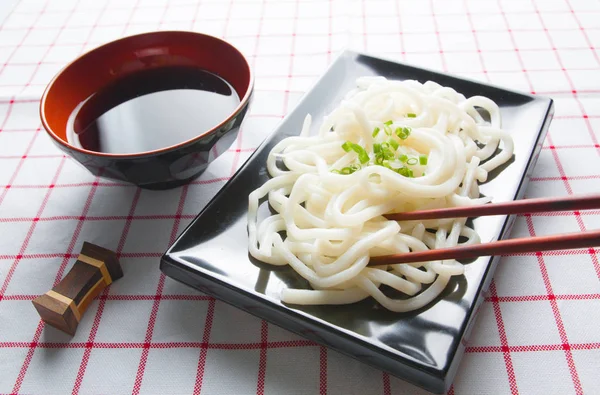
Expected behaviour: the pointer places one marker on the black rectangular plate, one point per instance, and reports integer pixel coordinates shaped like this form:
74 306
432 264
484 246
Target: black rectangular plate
423 347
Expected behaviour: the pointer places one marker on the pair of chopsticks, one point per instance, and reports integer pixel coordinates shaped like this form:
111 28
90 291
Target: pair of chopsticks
564 241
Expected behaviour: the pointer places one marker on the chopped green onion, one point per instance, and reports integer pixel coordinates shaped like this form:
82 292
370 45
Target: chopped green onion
386 152
411 115
405 171
423 160
403 133
375 132
388 123
385 163
387 130
349 169
394 144
377 148
412 161
403 158
363 157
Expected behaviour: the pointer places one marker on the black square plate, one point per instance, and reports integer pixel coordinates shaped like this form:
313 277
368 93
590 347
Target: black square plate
423 347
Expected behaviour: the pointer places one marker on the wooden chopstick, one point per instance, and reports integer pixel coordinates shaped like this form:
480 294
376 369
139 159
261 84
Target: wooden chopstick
570 203
565 241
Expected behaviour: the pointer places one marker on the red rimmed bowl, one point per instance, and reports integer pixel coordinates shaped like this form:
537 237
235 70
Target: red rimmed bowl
162 168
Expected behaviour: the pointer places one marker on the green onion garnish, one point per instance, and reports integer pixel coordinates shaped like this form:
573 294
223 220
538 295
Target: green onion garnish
393 143
411 115
405 171
375 132
387 130
377 148
403 133
412 161
388 154
423 160
403 158
386 164
348 170
363 157
388 123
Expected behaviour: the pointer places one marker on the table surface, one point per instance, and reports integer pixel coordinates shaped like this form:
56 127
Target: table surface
538 330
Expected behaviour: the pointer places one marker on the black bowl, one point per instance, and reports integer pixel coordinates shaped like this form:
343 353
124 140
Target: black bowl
162 168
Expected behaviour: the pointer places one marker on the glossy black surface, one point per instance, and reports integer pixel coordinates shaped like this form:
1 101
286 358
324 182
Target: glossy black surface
164 169
152 109
423 347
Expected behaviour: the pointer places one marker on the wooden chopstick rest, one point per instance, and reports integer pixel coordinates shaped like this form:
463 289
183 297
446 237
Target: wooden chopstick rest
64 305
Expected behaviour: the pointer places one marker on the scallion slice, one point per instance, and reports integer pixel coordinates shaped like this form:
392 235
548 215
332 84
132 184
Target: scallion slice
403 132
363 157
405 171
347 146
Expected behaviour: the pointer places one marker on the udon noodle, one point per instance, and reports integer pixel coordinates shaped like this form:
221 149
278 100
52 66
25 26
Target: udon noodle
390 146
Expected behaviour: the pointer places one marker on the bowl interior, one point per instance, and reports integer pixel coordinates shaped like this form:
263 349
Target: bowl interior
103 65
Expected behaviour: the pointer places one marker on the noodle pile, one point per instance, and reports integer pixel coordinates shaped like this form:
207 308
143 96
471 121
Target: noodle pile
391 146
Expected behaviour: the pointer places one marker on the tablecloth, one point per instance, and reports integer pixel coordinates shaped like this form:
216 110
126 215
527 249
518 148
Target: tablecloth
538 330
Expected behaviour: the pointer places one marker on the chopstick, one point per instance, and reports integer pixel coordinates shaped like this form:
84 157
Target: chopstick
570 203
565 241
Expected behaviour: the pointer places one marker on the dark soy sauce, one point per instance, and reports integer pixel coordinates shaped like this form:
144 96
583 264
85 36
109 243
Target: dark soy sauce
153 109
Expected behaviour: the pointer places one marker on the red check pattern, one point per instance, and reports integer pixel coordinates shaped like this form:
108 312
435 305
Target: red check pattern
538 329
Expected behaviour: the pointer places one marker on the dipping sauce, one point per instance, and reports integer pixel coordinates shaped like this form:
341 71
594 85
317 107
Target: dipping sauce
151 109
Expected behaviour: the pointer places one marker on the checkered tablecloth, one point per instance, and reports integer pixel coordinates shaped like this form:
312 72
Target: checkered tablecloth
538 331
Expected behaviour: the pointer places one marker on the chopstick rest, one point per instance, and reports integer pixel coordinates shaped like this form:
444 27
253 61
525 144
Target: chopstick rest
64 305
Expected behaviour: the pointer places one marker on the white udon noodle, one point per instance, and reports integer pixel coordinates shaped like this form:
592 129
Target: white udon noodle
333 223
